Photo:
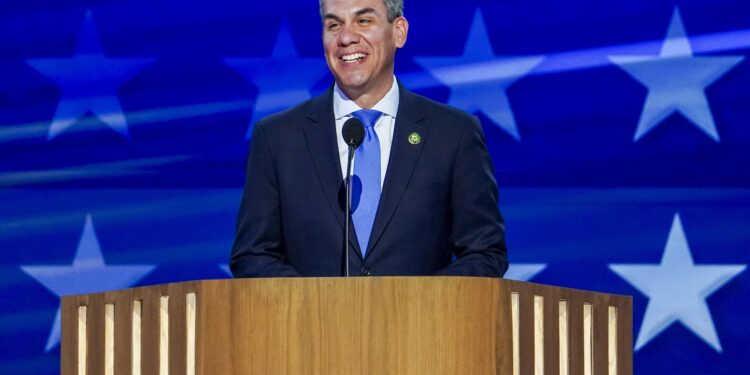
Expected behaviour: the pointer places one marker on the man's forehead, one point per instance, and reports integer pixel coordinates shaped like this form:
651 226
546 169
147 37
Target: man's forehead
346 7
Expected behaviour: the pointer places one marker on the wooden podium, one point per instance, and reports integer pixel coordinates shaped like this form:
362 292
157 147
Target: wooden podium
329 326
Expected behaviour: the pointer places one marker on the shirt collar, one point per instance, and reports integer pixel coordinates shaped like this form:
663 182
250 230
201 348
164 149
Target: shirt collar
343 106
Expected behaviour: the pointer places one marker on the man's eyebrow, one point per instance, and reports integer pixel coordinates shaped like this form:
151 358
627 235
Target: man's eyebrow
364 11
331 16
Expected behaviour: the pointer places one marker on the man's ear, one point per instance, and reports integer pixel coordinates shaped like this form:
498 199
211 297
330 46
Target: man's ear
400 31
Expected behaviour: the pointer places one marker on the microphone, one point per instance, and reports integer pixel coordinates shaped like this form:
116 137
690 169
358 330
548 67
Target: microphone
353 133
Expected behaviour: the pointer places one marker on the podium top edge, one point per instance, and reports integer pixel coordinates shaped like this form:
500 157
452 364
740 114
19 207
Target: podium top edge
196 284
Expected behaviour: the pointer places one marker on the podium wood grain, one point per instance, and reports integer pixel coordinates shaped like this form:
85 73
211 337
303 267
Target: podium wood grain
383 325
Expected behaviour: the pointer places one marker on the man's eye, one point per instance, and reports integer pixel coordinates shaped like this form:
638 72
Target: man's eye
333 26
364 21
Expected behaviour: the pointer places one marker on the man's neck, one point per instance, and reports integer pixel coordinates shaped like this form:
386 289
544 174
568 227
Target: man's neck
367 98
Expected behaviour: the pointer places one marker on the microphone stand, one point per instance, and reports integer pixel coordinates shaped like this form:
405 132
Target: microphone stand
353 132
348 205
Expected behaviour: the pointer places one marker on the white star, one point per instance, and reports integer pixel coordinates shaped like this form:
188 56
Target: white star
677 289
478 79
676 81
89 82
524 271
87 274
275 94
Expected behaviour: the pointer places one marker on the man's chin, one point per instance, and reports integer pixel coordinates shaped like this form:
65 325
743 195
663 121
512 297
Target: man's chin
349 85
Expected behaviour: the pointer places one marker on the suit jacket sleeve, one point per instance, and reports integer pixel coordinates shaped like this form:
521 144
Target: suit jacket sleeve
478 231
258 249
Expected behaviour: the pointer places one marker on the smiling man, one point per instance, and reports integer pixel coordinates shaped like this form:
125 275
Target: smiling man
426 200
360 40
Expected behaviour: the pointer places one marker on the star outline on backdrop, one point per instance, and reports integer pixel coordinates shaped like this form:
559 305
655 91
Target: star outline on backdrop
677 289
479 79
676 81
299 76
89 82
88 273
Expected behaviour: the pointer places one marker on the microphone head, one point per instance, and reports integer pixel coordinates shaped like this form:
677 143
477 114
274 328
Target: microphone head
353 132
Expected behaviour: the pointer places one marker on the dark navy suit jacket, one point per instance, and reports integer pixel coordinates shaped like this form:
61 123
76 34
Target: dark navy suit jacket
438 212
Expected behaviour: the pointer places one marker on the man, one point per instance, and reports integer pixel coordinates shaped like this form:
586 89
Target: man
427 204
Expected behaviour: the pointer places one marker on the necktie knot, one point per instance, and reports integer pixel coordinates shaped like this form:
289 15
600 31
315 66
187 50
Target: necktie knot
368 116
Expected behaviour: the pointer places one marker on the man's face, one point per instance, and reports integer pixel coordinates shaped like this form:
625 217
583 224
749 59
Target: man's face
360 44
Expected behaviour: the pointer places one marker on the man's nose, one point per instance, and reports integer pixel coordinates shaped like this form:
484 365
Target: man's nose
348 36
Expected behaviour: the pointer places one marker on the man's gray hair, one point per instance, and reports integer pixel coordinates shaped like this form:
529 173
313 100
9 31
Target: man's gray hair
395 8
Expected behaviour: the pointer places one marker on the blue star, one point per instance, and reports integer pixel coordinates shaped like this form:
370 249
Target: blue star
677 289
283 79
524 271
87 274
676 81
88 82
478 79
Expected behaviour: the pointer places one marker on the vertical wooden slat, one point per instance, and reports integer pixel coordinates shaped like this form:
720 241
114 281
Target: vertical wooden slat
190 322
136 334
109 339
164 335
563 337
625 335
200 318
95 334
575 333
69 338
551 332
504 338
123 315
612 340
515 321
150 330
177 331
601 317
526 331
588 338
538 335
82 340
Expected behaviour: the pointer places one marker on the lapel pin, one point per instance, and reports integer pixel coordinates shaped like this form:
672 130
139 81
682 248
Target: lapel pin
415 138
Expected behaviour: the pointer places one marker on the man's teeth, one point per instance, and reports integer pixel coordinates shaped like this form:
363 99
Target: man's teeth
353 57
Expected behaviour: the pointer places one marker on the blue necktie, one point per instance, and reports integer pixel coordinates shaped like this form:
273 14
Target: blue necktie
367 170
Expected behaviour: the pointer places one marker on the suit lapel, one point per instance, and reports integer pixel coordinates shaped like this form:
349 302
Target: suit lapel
401 163
320 133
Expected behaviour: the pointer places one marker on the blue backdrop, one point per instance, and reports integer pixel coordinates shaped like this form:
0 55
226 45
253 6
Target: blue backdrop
620 133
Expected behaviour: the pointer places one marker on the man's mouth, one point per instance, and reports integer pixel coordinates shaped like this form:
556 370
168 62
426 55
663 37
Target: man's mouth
353 57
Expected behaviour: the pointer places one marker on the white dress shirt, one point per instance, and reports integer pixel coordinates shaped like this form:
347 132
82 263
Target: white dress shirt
342 111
